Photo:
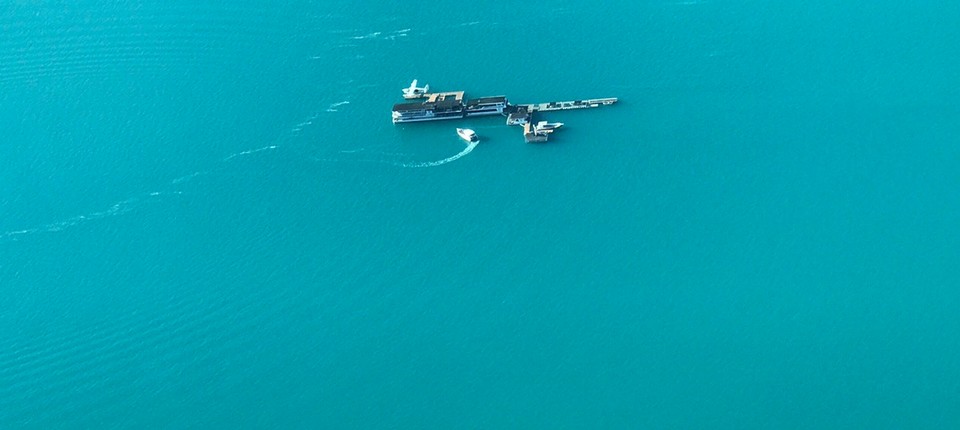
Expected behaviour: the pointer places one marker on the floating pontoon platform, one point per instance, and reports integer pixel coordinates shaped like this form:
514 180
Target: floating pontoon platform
453 105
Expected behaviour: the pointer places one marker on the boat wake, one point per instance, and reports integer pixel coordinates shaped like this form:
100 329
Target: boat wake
367 36
450 159
186 178
250 151
333 107
131 204
393 35
118 208
299 127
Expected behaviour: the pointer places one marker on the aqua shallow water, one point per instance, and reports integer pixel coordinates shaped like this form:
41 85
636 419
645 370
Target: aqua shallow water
206 219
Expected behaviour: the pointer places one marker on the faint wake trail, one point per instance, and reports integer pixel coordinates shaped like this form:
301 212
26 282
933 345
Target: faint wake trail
118 208
251 151
380 35
130 204
186 178
333 107
465 151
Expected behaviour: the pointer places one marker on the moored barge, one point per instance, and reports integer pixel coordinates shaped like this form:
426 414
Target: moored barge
449 105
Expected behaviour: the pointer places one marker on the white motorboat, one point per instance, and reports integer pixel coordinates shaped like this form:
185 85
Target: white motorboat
468 135
415 92
548 126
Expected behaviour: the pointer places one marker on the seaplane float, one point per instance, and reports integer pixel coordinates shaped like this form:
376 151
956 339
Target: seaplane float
415 92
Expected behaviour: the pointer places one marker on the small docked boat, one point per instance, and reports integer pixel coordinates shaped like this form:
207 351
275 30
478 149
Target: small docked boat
467 135
544 125
532 135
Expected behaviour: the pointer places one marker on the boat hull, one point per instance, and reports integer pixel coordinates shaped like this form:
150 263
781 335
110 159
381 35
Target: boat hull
467 135
401 119
423 119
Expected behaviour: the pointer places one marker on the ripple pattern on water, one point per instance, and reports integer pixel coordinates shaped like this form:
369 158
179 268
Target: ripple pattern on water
80 374
42 42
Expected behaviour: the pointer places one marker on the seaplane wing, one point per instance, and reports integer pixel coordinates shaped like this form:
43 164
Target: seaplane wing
413 91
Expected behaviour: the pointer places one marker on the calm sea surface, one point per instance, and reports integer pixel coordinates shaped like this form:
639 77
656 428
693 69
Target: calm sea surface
207 219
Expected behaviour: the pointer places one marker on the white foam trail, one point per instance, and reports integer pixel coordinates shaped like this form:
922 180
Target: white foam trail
124 206
186 178
342 31
367 36
466 151
299 127
252 151
333 107
118 208
353 160
379 35
18 232
373 152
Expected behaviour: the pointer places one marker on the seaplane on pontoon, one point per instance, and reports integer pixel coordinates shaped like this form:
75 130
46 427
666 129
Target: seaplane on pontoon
415 92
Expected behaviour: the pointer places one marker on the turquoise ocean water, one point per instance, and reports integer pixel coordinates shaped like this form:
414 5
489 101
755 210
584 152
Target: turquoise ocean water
207 219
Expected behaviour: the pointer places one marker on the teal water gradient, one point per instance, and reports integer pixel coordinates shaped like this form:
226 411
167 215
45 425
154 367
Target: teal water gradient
206 222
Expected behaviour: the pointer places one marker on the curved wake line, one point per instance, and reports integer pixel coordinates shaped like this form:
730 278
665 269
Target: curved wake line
465 151
128 205
333 107
118 208
186 178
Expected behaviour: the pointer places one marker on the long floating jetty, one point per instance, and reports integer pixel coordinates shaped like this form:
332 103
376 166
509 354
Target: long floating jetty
452 105
576 104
